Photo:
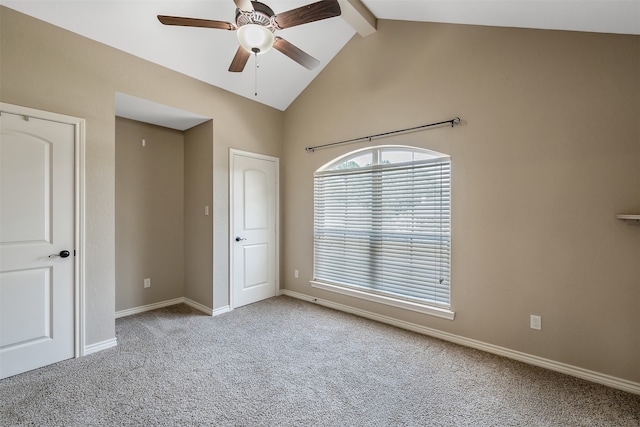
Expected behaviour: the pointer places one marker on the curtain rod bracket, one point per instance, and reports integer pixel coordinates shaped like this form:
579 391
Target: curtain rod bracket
454 121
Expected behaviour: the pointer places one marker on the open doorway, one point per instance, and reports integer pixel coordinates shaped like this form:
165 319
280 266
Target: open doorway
164 201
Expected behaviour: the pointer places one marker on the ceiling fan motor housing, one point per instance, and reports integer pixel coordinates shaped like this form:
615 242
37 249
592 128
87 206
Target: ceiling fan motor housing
261 15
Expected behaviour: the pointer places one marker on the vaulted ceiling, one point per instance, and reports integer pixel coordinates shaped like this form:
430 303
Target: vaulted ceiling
205 53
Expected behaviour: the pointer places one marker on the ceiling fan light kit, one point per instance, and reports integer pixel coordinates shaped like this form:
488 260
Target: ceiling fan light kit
255 38
256 24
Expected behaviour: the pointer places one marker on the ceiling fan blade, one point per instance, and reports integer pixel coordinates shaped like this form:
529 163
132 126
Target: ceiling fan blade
195 22
244 5
312 12
295 53
239 60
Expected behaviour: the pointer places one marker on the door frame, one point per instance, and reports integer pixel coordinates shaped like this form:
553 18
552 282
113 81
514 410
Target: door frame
233 152
79 126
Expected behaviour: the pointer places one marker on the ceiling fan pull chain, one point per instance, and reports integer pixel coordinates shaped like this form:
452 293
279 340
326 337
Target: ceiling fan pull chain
255 54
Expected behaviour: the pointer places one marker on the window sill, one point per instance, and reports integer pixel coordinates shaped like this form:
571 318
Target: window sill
395 302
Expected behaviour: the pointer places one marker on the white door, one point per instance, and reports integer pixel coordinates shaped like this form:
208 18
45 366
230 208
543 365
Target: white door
254 219
37 205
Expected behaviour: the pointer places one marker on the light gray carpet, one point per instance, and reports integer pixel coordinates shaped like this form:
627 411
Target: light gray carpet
284 362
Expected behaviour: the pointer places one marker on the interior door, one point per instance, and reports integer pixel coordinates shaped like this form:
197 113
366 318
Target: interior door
254 201
37 257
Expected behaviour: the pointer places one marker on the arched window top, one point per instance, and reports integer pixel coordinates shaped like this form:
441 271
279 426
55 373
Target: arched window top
381 155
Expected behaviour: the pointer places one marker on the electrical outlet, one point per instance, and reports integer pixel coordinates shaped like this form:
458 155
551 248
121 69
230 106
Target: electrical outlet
536 322
296 273
147 283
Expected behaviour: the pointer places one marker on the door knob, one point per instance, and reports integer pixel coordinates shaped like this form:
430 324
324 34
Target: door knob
239 239
62 254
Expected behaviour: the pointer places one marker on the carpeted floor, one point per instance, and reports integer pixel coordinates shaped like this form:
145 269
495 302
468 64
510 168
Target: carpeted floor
284 362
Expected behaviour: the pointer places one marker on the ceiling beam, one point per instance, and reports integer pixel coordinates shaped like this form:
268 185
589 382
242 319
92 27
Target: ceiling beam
358 16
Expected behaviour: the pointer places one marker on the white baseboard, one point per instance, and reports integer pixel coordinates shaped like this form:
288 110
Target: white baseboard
99 346
148 307
596 377
167 303
197 306
221 310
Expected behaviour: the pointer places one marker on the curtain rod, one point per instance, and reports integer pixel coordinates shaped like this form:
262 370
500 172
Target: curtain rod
454 121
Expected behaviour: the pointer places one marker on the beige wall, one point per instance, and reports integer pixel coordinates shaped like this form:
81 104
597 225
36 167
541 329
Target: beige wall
150 238
198 227
547 155
45 67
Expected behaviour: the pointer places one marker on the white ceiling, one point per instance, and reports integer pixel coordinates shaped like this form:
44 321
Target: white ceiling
600 16
143 110
205 54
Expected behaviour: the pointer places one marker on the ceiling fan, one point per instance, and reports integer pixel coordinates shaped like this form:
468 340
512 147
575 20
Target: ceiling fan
255 25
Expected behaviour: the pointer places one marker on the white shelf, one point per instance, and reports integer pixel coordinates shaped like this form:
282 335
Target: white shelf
629 217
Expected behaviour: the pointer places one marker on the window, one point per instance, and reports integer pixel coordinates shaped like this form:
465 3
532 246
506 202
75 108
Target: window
382 227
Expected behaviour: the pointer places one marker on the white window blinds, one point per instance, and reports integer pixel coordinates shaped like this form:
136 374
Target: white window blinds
386 229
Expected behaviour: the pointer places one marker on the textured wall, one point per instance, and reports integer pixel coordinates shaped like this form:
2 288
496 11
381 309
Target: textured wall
547 155
198 227
150 213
